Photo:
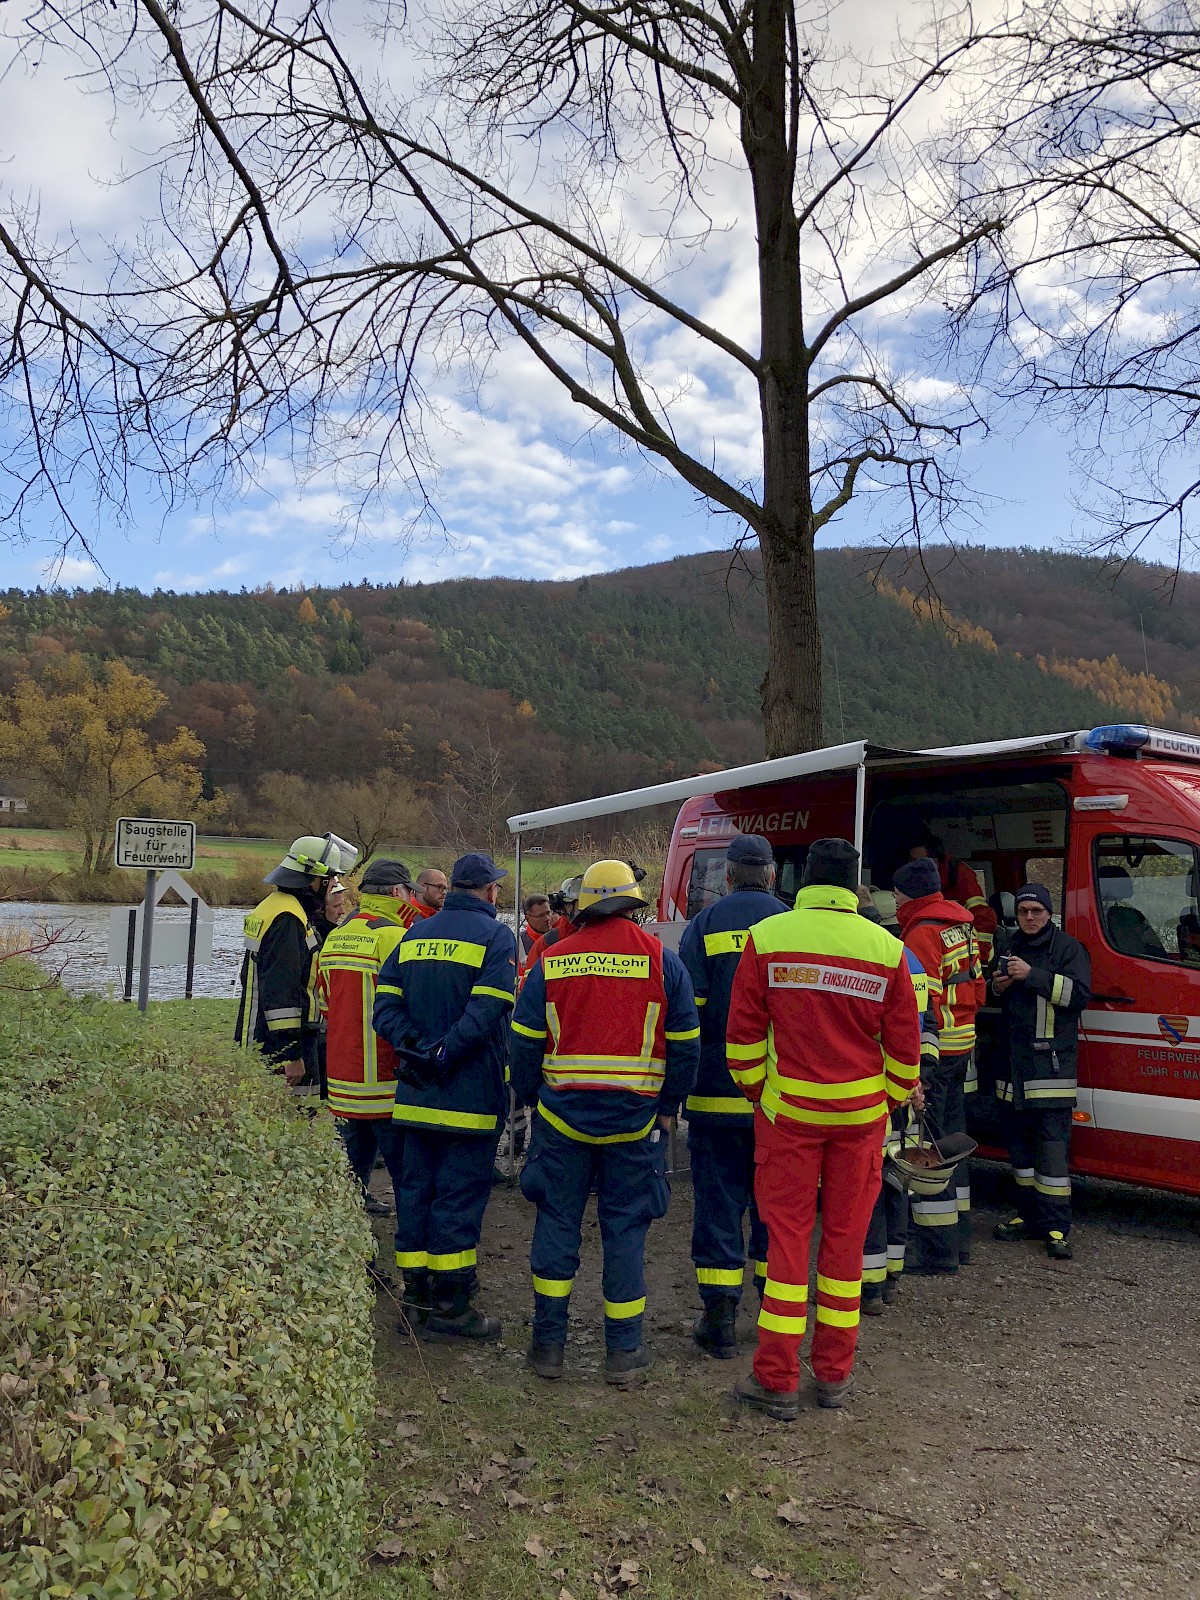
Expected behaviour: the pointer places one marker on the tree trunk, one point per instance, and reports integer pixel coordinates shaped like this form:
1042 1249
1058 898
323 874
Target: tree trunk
791 688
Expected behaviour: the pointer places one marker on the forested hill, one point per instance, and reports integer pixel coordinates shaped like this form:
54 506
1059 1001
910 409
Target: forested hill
619 679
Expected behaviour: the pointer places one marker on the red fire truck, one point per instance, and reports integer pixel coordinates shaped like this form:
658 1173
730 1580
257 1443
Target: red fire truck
1107 819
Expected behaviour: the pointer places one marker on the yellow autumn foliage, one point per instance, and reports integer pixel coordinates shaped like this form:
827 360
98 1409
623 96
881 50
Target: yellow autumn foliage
958 629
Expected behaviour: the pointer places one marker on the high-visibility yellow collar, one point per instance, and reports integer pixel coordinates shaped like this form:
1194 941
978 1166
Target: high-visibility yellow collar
826 897
382 905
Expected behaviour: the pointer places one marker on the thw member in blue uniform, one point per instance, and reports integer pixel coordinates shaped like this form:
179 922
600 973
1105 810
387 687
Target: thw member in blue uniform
605 1040
443 1003
720 1119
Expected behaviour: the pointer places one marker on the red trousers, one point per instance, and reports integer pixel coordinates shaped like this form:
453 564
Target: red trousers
791 1159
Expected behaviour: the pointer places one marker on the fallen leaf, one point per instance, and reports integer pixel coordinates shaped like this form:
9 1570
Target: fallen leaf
513 1500
791 1513
498 1460
407 1430
390 1550
558 1572
439 1580
732 1495
699 1546
762 1573
536 1548
445 1397
565 1594
627 1576
523 1464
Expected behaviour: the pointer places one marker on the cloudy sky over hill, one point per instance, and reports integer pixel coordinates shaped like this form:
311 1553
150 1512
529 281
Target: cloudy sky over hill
524 485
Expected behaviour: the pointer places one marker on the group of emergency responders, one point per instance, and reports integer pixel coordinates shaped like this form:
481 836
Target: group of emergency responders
802 1044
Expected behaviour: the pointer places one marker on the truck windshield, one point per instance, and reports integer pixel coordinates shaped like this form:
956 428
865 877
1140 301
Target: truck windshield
707 880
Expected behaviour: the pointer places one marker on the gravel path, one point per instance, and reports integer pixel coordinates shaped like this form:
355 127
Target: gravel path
1029 1429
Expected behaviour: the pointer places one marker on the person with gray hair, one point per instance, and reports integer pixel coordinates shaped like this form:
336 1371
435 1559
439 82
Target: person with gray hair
720 1119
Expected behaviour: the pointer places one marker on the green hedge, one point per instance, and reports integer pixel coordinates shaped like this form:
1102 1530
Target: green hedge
185 1324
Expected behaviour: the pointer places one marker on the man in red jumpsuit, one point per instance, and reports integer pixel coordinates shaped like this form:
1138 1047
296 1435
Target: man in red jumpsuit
825 1038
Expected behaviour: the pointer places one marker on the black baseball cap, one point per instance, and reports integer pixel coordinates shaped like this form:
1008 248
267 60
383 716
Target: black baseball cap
384 874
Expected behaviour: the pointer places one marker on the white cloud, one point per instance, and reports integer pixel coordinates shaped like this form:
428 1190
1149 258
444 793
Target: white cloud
62 572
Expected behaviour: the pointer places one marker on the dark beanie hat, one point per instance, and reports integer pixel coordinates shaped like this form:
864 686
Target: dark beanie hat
831 861
916 879
1038 892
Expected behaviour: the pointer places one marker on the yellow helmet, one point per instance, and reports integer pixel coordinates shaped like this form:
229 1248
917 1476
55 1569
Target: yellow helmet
608 887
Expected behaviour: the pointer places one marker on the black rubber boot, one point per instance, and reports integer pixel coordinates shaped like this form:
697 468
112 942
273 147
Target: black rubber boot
833 1396
715 1329
626 1366
872 1305
1058 1247
456 1318
546 1360
891 1288
414 1307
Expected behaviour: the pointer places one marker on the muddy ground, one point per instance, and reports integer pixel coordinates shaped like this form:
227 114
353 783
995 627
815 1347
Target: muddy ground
1029 1429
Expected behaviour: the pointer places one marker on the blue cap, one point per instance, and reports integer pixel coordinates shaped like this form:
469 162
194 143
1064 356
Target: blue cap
475 870
750 850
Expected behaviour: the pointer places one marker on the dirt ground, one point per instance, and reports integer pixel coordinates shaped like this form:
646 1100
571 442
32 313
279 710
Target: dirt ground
1030 1429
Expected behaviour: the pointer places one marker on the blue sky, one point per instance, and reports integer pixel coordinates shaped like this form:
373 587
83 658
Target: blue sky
523 489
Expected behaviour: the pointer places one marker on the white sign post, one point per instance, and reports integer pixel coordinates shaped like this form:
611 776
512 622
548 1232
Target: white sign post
151 843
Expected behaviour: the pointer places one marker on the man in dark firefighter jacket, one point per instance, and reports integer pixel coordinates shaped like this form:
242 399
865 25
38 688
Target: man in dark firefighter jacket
443 1003
278 1011
720 1118
606 1041
1043 989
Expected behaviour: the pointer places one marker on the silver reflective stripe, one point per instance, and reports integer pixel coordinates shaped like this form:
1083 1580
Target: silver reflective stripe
877 1259
282 1014
895 1252
1048 1088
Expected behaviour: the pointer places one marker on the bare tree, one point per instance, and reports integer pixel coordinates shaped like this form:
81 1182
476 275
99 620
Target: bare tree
476 795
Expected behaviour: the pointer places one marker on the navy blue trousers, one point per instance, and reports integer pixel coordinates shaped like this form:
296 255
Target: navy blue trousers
366 1137
445 1183
631 1187
944 1220
722 1195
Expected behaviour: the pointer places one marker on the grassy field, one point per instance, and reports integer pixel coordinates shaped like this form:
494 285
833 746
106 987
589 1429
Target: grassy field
40 864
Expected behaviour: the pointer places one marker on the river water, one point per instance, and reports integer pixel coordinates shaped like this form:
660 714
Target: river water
84 963
85 966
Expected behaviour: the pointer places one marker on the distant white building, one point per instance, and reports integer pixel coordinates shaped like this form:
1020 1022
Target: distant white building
14 797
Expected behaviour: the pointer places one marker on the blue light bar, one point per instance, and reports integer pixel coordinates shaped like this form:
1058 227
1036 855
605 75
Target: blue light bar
1117 736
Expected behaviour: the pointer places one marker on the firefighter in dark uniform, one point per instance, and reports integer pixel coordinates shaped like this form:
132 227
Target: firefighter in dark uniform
443 1003
278 1012
1043 989
720 1118
605 1040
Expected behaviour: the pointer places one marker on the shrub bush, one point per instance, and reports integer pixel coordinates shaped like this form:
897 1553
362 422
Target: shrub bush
185 1323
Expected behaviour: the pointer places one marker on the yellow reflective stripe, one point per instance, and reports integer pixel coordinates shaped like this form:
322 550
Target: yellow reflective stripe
283 1024
773 1104
720 1105
684 1033
701 999
554 1288
601 1078
410 1259
731 942
529 1033
774 1323
590 1138
903 1071
431 1116
620 1310
844 1288
785 1291
875 1274
837 1319
363 1100
390 988
760 1269
1056 989
724 1277
460 951
454 1262
748 1075
494 994
853 1089
746 1052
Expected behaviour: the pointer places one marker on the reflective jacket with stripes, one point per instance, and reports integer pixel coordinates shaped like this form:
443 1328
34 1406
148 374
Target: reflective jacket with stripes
823 1025
450 981
361 1067
605 1034
278 1010
710 950
1039 1020
942 936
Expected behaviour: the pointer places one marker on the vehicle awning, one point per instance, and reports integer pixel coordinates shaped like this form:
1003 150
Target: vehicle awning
834 758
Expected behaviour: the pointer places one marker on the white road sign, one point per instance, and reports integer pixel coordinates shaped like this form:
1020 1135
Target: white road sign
153 845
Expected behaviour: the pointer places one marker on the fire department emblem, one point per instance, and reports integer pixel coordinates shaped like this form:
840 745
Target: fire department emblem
1173 1029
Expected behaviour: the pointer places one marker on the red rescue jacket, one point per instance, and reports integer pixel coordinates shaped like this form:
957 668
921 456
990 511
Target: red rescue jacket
823 1023
960 883
943 938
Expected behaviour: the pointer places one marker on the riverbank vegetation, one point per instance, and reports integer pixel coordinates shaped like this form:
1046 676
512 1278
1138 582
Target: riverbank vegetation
185 1350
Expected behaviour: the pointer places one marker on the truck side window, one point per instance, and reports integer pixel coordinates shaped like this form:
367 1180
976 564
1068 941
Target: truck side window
706 881
1146 895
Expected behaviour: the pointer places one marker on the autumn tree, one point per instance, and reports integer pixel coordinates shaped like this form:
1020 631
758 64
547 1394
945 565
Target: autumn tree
371 813
81 738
